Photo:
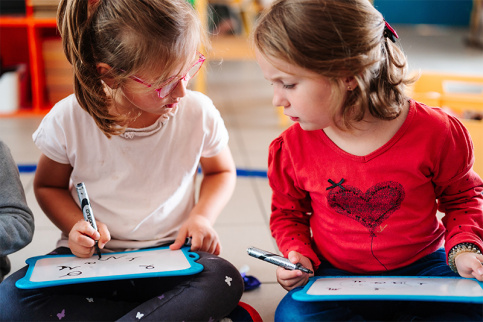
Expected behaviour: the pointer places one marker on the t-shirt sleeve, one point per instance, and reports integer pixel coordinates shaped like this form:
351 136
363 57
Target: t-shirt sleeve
291 208
216 134
50 136
458 188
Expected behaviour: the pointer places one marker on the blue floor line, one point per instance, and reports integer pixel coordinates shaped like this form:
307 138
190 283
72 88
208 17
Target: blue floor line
251 173
26 168
30 168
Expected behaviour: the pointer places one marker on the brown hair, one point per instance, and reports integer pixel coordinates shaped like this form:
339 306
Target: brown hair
337 39
128 35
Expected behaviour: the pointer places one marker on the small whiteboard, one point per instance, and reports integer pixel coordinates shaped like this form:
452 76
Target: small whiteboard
54 270
338 288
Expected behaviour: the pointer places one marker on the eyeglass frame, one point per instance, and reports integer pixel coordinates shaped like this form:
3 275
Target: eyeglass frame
201 58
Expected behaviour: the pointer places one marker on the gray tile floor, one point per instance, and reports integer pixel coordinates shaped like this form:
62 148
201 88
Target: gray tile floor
244 99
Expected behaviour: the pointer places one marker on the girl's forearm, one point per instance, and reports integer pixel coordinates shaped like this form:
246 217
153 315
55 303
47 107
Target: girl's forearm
215 191
59 207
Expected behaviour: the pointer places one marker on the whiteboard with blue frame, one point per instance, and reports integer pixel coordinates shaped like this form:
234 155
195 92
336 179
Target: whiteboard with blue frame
414 288
55 270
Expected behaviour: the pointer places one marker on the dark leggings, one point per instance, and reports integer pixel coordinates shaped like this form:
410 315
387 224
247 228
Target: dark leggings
209 295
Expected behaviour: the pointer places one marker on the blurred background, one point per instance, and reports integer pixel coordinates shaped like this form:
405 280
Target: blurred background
443 40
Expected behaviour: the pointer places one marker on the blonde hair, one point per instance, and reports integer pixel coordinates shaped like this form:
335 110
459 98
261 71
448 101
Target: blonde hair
129 36
337 39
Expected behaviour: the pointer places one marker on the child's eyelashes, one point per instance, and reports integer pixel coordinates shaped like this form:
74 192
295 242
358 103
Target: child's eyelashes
285 86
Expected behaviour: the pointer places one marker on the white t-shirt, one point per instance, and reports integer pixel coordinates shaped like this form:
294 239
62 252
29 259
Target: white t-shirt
141 184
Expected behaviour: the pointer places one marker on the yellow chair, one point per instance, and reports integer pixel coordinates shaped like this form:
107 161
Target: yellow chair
226 48
459 94
476 131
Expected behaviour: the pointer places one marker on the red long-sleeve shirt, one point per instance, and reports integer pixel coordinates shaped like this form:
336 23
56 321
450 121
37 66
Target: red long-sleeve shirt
368 214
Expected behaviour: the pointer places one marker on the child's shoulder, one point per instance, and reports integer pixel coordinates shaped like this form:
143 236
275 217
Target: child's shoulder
436 118
445 131
66 114
67 107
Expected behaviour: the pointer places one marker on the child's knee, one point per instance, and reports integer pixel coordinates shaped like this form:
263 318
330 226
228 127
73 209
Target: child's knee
9 299
287 309
222 275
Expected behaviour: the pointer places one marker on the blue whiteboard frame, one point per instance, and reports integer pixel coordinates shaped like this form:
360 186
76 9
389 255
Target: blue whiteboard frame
348 296
26 283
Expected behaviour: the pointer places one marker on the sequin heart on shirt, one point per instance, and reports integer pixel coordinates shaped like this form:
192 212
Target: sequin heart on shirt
370 208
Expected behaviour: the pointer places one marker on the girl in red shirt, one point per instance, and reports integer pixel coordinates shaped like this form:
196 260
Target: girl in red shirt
358 179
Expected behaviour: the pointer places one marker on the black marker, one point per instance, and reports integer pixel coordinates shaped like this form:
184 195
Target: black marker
87 210
276 259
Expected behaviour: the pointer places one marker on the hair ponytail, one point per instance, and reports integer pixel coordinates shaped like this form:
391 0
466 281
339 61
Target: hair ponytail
74 19
127 35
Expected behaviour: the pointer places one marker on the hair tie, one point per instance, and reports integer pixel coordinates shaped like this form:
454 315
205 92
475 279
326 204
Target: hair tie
389 32
91 7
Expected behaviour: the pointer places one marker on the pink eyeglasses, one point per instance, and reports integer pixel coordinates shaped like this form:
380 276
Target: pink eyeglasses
173 82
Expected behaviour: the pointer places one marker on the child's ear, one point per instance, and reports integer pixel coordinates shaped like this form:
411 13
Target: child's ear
103 70
350 83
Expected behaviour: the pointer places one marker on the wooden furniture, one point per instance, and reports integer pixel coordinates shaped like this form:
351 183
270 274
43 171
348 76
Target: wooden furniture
34 41
21 43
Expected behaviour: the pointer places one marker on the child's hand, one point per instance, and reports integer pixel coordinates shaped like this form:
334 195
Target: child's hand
203 236
290 279
469 265
82 238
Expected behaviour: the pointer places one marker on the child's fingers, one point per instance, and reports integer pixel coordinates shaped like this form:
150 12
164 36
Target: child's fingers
286 275
217 250
104 233
478 274
210 243
213 245
196 242
83 252
80 244
477 268
203 240
206 245
179 241
85 241
83 233
294 257
289 279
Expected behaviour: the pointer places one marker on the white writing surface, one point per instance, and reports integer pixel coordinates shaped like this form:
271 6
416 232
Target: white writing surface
406 288
66 269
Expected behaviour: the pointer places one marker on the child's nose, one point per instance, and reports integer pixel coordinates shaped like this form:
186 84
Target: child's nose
180 90
278 99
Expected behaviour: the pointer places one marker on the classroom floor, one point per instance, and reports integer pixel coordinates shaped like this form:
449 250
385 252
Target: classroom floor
244 100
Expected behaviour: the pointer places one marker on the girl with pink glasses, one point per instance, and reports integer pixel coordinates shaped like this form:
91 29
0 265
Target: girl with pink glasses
135 136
